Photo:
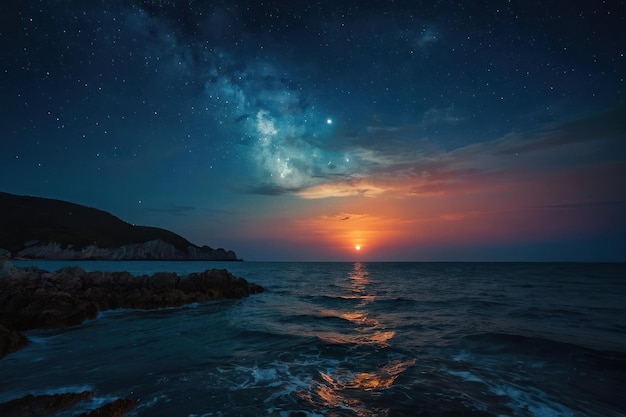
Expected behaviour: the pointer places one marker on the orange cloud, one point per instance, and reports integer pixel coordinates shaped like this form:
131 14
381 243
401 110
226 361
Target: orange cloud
549 184
342 189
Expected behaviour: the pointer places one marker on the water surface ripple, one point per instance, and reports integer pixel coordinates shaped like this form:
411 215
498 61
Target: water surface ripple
352 339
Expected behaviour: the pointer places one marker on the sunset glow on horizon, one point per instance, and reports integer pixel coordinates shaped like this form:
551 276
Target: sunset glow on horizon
459 134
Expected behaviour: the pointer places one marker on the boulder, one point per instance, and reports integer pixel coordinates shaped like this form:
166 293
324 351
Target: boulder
42 405
116 408
34 298
6 268
52 405
10 341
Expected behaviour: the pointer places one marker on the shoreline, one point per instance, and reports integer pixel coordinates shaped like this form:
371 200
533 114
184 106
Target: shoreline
72 295
121 260
33 298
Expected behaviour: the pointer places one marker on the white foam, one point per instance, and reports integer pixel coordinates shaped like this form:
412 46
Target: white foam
153 401
97 402
466 376
40 340
533 400
265 375
321 383
462 356
521 399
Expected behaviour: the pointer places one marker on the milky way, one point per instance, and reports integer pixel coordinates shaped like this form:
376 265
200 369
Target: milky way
437 130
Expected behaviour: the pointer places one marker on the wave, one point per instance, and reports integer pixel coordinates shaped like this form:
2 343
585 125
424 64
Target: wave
526 374
9 395
339 300
398 301
546 349
541 313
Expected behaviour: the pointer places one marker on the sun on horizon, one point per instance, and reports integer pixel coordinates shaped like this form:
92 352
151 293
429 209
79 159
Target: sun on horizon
357 247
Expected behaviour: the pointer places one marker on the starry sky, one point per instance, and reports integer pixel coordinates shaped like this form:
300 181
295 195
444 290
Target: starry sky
417 130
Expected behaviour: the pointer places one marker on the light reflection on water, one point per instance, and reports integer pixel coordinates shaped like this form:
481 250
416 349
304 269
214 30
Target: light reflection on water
339 339
369 330
342 388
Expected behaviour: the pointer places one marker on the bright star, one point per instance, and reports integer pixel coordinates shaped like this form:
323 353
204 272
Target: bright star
329 121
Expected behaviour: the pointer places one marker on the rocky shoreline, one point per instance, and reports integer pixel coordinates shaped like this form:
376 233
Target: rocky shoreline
149 250
32 298
48 405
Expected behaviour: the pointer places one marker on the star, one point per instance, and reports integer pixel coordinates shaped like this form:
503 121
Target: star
205 105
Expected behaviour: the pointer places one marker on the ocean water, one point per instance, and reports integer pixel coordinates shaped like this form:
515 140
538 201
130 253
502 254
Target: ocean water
352 339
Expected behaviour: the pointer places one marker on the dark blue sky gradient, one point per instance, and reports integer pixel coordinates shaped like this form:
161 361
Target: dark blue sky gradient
437 130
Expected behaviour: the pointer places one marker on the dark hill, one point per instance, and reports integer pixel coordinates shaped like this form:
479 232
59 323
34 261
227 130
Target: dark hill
28 220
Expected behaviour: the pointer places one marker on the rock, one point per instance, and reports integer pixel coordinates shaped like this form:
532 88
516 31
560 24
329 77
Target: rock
52 405
42 405
6 268
152 249
5 254
116 408
34 298
208 254
10 341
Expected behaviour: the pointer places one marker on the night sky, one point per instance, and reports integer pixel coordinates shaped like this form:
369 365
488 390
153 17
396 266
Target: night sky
297 130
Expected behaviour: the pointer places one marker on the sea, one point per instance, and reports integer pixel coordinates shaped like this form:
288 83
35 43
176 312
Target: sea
350 339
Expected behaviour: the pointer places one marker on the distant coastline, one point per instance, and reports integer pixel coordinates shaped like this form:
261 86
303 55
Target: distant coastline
42 228
151 250
18 259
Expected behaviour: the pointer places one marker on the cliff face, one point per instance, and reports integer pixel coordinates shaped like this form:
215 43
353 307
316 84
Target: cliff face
41 228
153 249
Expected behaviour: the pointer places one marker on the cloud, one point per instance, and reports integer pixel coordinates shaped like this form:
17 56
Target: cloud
609 125
295 152
387 161
342 189
283 131
271 190
436 115
368 230
342 217
614 203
